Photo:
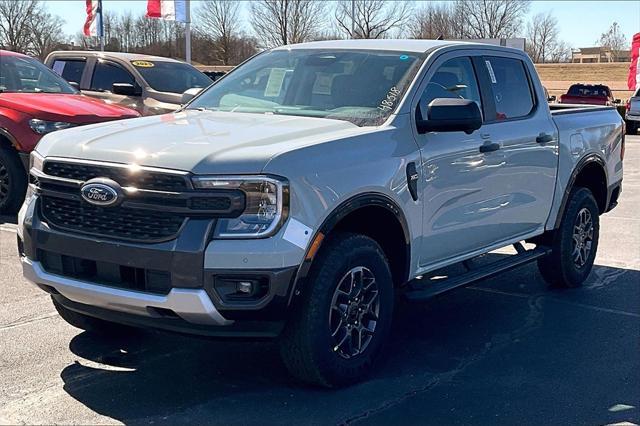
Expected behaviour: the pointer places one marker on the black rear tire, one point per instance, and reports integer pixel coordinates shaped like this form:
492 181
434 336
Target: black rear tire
90 324
309 347
573 250
13 180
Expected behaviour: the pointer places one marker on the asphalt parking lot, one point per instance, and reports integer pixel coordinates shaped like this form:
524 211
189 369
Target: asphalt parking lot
505 351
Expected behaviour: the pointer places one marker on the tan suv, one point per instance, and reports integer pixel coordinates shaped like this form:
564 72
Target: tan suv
149 84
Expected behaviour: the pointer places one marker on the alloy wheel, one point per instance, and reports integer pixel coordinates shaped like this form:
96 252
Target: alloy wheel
582 237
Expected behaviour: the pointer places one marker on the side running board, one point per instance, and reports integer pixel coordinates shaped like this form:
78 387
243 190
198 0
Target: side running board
419 290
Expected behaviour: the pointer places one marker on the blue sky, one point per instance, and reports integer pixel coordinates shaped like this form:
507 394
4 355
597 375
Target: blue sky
580 22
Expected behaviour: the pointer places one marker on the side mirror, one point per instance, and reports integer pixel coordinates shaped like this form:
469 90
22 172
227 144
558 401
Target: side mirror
74 84
125 89
190 94
450 115
552 98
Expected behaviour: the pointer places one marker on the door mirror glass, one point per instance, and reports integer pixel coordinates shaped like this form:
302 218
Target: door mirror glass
125 89
449 115
190 94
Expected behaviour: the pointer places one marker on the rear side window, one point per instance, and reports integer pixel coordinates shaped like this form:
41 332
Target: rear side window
70 70
510 86
105 74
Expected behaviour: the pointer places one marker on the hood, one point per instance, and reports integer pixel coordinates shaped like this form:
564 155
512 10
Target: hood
77 109
203 142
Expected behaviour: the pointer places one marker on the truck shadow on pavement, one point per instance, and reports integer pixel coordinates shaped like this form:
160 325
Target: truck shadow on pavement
505 350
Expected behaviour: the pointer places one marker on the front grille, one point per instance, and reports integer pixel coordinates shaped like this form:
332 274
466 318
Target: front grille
210 203
115 222
111 274
124 176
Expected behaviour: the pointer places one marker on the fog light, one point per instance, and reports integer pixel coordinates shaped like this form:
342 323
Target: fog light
245 287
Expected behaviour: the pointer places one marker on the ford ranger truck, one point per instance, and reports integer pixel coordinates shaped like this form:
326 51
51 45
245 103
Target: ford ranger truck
34 101
302 192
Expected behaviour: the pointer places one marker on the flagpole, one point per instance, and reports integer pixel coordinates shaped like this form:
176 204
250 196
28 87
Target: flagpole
101 33
187 33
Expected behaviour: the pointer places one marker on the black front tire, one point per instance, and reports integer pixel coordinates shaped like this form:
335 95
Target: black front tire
308 348
569 265
90 324
13 180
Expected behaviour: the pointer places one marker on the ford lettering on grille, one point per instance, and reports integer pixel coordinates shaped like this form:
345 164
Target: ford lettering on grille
99 194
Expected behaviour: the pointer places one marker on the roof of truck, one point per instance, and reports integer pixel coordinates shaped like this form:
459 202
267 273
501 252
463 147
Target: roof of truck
117 55
401 45
10 53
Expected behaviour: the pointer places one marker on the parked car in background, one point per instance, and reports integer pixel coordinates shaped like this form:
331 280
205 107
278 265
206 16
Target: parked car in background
33 102
298 195
632 116
149 84
592 94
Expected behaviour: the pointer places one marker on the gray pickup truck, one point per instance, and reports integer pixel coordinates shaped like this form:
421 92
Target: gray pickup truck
307 189
149 84
632 116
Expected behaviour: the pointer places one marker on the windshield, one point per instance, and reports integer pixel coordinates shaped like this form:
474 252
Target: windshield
26 75
363 87
173 77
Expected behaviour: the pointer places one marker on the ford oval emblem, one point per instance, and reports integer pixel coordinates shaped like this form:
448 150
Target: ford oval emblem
100 193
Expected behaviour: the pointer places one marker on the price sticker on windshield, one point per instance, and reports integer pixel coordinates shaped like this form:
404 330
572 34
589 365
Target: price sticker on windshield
143 64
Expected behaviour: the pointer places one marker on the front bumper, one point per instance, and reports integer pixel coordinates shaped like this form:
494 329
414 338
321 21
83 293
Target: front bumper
192 305
177 292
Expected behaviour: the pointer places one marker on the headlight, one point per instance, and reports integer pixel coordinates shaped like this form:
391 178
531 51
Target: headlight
266 208
42 127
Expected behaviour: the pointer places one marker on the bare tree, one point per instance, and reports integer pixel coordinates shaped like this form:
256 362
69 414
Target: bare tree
46 34
15 23
492 18
219 21
614 40
542 39
282 22
371 18
432 21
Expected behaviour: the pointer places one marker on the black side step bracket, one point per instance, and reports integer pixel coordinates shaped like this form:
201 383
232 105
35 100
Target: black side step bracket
419 290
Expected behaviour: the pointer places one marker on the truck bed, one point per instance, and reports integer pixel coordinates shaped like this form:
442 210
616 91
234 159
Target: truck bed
561 109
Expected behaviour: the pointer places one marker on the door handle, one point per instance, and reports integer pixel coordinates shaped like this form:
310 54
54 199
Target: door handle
544 138
412 180
489 147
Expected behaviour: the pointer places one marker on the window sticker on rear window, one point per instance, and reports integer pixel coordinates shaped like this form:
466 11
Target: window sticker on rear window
143 64
274 84
492 75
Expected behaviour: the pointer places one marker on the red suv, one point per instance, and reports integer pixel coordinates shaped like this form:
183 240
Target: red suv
35 101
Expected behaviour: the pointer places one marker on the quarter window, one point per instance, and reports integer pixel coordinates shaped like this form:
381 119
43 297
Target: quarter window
510 87
453 79
105 74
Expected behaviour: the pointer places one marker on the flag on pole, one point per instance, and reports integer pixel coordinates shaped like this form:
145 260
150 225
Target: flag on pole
93 24
171 10
634 68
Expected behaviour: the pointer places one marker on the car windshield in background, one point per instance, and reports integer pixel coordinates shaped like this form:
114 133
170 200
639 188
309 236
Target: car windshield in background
173 77
360 86
588 91
26 75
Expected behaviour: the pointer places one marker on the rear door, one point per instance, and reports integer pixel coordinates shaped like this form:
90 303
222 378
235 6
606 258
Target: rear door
461 195
520 122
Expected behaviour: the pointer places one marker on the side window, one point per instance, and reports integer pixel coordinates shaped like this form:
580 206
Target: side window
453 79
105 74
510 86
70 70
